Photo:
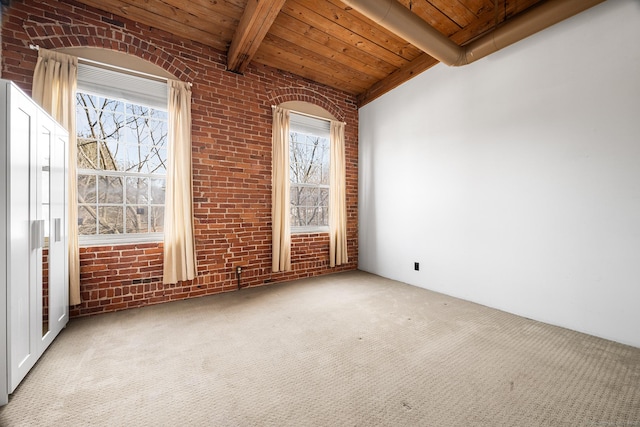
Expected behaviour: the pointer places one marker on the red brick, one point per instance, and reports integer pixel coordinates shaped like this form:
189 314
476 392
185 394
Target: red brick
231 158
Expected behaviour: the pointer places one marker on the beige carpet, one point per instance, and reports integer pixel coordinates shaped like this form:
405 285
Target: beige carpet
349 349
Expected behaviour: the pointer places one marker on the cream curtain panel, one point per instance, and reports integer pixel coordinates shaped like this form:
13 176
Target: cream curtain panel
54 88
337 198
179 242
281 243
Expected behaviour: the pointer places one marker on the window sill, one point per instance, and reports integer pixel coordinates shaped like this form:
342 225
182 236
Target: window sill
115 240
310 230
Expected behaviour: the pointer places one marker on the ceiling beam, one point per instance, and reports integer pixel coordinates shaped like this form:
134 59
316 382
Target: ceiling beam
254 24
395 79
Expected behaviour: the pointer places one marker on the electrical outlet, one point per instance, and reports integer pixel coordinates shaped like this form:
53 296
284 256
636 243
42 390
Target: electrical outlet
416 266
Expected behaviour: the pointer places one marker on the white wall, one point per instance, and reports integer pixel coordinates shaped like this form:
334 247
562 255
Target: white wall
515 181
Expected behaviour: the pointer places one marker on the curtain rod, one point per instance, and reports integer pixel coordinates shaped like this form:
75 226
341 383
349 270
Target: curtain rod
115 67
309 115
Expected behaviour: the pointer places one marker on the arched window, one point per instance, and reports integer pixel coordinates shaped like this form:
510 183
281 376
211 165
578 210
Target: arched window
309 167
308 182
122 130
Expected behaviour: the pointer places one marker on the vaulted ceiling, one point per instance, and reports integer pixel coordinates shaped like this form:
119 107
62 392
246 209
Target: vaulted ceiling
323 40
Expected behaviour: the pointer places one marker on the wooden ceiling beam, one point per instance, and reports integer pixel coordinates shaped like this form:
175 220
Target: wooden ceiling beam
256 20
395 79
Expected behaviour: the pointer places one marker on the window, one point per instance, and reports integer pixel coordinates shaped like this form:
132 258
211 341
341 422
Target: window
309 153
121 127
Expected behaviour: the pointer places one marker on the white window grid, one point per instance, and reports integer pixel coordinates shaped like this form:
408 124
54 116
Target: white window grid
125 236
322 209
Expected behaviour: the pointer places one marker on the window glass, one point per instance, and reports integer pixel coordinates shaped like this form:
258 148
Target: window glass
309 154
121 160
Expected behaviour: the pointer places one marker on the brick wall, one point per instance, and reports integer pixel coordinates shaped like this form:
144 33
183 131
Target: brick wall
231 157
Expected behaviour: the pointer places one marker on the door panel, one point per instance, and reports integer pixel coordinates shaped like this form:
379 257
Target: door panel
59 277
52 154
22 344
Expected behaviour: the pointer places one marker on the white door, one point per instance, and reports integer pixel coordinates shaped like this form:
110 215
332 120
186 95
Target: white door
53 289
25 240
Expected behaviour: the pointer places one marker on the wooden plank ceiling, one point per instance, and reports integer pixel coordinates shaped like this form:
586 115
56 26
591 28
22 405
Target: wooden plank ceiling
322 40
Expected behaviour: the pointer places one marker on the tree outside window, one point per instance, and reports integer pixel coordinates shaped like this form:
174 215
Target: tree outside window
309 155
122 154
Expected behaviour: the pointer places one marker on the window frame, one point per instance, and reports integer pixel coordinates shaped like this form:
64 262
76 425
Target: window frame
86 240
310 229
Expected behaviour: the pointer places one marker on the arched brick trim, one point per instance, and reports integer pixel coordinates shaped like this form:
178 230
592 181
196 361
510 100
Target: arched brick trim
58 35
298 93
